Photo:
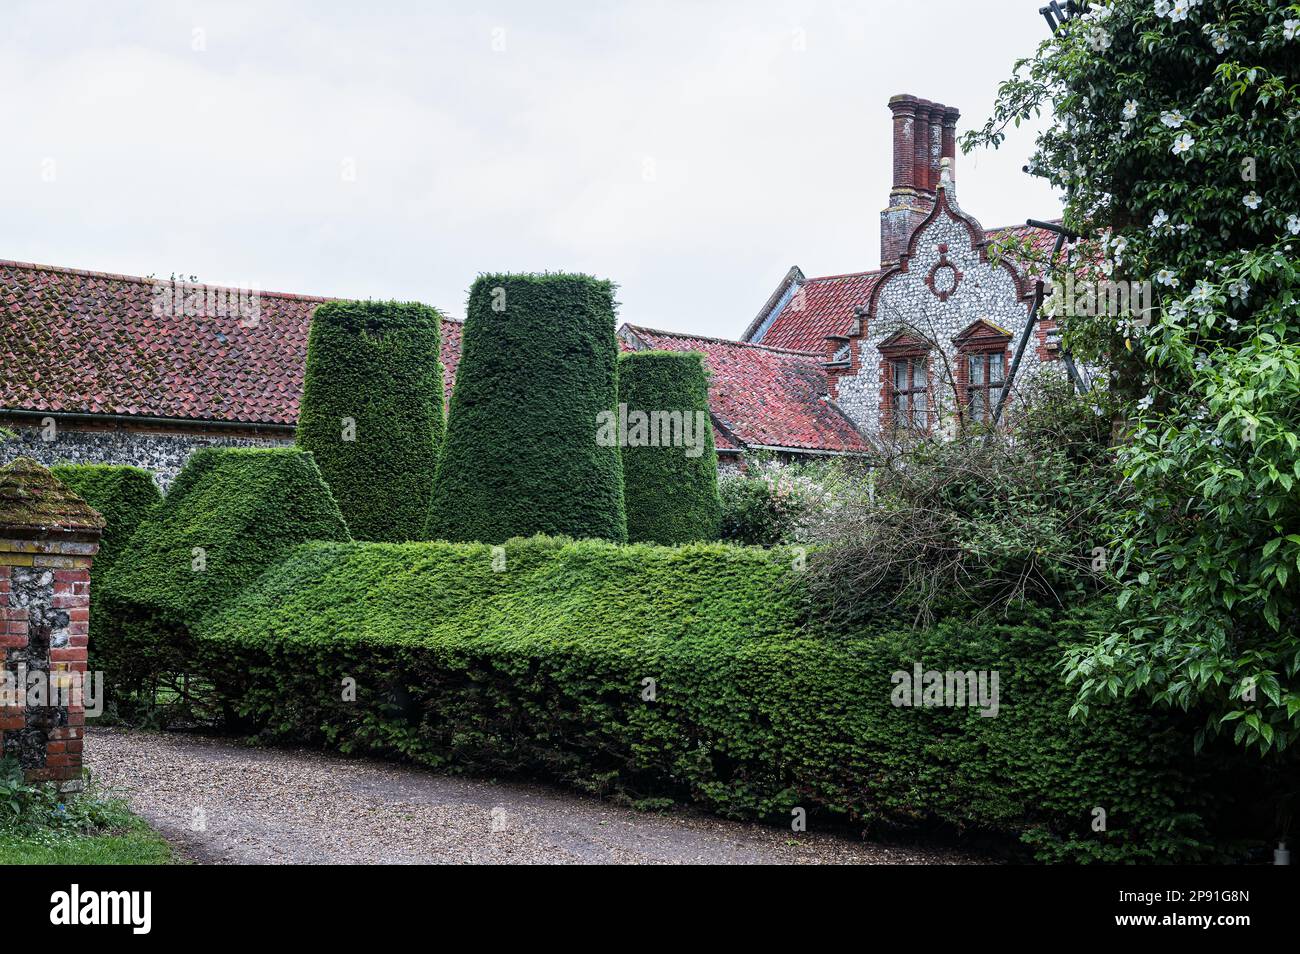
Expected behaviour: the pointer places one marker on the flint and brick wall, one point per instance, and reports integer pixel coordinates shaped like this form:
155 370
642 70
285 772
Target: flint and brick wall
45 616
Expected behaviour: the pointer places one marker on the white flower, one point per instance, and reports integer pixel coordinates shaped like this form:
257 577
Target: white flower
1159 219
1098 39
1290 28
1220 41
1172 118
1162 8
1166 277
1131 109
1179 11
1293 224
1201 291
1146 402
1239 289
1182 144
1252 201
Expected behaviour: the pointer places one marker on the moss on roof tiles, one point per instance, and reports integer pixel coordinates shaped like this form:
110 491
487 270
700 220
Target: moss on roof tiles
32 498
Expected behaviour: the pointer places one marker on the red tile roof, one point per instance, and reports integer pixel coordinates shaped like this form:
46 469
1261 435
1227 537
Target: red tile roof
825 306
88 342
821 307
764 396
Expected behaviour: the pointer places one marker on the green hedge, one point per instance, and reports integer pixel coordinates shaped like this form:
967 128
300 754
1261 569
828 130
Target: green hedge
535 659
377 364
538 364
671 491
124 495
231 513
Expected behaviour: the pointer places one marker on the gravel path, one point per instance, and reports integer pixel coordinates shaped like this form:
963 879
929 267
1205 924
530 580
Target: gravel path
223 803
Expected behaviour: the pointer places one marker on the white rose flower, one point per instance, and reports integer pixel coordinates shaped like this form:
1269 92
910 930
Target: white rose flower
1178 12
1293 224
1166 277
1162 8
1290 28
1183 144
1252 201
1220 41
1172 118
1131 109
1159 219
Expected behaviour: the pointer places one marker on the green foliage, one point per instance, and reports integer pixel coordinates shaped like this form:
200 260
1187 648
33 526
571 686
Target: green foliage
759 510
671 489
124 495
538 364
230 514
28 806
1173 137
375 366
693 673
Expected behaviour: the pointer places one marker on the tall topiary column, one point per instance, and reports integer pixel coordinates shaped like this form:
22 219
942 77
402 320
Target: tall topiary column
670 466
538 365
372 412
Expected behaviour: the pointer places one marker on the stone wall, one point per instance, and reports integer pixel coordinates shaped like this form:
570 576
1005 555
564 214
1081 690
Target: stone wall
161 452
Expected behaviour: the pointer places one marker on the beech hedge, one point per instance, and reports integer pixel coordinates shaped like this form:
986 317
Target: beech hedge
695 673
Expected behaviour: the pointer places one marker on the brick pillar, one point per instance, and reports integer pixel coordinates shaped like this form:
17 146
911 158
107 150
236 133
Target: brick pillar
48 540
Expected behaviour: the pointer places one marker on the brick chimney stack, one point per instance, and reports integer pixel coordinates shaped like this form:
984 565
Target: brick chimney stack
924 134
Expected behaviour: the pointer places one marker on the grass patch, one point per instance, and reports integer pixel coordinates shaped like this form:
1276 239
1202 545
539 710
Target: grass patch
134 844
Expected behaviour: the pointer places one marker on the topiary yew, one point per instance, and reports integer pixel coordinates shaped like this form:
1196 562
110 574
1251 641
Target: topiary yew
538 365
372 412
670 467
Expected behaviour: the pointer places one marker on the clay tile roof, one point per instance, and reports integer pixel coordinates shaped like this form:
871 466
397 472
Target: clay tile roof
88 342
763 396
822 307
33 502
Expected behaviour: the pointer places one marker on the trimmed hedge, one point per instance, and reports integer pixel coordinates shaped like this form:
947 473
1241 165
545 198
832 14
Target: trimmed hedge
231 513
376 363
538 364
540 665
671 496
124 495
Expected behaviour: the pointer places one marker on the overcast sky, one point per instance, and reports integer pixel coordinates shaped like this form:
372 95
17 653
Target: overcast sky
691 152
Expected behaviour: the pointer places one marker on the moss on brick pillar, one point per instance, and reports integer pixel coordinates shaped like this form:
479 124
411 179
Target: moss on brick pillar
48 539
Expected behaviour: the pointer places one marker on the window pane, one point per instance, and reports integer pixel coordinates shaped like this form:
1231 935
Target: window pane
900 375
996 362
976 362
918 373
978 410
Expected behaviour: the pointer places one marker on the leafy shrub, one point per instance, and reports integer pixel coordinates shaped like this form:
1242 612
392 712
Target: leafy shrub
693 673
40 806
775 502
538 364
375 365
230 514
1159 115
671 491
124 495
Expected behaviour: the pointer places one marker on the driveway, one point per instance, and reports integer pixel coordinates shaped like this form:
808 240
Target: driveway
220 802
